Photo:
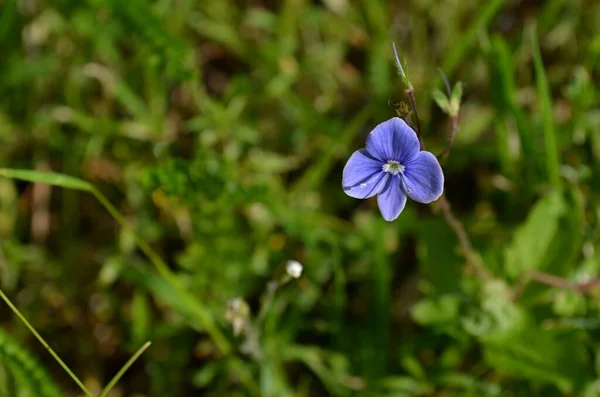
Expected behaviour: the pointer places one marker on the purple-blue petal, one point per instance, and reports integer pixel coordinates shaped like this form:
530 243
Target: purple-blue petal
392 199
369 188
363 176
424 178
393 140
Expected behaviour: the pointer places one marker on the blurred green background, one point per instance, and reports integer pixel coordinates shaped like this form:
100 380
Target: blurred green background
219 129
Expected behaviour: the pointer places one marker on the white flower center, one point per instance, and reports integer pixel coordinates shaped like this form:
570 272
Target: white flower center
393 167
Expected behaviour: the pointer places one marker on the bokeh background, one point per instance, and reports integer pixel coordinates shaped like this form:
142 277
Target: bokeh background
219 129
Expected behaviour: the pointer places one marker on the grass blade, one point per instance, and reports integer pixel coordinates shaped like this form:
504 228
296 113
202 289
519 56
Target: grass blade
119 374
504 93
204 317
380 329
458 51
545 104
49 178
43 342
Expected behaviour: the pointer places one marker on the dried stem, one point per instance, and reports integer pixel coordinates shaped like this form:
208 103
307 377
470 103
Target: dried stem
472 257
588 285
554 281
453 131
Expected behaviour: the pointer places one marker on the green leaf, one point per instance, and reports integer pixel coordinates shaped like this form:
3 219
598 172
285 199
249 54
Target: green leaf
569 304
441 99
532 240
204 376
499 319
542 356
457 92
405 384
455 99
50 178
470 384
503 91
565 250
442 310
551 237
27 372
316 359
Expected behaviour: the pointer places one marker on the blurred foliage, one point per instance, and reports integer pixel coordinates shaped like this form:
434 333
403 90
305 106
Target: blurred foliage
21 374
220 129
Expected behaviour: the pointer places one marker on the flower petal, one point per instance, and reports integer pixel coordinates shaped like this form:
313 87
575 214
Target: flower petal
392 199
424 178
369 188
363 176
393 140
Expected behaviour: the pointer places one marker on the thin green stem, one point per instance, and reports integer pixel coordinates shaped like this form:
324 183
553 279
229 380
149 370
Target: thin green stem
205 318
119 374
43 342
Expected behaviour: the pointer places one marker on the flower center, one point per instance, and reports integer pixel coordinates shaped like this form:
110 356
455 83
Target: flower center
393 167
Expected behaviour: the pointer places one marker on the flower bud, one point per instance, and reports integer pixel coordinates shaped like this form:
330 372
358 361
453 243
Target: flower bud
294 268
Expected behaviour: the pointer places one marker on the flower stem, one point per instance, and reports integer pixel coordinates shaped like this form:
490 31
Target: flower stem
43 342
472 257
554 281
453 130
119 374
469 253
410 92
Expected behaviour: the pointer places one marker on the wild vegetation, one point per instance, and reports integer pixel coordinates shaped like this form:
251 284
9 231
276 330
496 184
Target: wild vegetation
162 161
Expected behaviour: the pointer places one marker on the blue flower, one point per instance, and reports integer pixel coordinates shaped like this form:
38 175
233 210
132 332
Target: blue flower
392 167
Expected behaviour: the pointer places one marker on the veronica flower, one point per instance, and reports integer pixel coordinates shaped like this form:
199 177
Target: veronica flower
392 167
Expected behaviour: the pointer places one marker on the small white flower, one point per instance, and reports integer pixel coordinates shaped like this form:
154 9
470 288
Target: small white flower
238 314
294 268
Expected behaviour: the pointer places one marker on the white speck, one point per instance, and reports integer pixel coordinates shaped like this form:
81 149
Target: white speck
294 268
363 185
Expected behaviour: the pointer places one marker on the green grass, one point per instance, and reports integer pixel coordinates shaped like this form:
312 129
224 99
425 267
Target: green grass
159 159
